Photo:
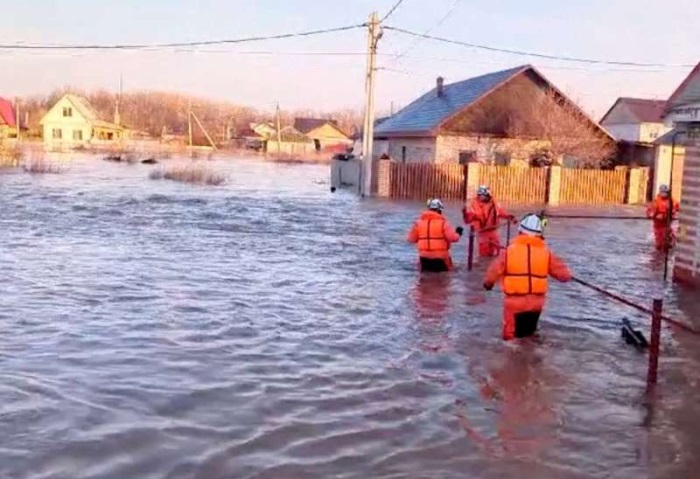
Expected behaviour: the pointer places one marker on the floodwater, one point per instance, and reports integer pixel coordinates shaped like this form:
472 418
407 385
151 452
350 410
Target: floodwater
270 329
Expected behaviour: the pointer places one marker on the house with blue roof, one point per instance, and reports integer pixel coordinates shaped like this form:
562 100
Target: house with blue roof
496 118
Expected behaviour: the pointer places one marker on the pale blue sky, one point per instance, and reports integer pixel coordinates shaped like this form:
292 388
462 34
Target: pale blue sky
627 30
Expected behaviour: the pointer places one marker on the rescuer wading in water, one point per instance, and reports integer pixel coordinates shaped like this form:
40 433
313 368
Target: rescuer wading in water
523 268
433 234
483 213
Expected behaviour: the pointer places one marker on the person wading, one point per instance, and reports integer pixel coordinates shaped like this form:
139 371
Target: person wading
483 213
661 211
433 234
523 269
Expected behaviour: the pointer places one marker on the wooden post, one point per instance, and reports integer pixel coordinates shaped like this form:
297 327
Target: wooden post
211 142
189 123
654 346
470 250
279 130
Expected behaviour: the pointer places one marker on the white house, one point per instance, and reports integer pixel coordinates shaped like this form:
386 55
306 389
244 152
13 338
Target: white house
72 122
635 120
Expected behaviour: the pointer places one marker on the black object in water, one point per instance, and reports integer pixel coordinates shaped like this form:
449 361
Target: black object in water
633 336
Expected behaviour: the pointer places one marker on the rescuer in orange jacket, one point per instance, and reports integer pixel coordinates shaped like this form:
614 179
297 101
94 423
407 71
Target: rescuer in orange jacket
484 214
661 211
433 235
523 269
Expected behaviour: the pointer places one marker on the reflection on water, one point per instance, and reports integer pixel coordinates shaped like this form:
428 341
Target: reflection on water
268 328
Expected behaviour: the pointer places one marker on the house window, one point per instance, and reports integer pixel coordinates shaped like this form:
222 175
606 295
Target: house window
468 156
403 154
78 135
501 159
67 111
57 133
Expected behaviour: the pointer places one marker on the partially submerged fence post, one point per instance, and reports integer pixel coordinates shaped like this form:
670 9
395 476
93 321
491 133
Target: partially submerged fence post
554 185
470 249
654 345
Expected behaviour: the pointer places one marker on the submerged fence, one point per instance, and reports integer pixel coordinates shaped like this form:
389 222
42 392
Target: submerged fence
511 184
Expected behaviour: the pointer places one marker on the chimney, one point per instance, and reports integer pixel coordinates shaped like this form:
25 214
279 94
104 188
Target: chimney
440 86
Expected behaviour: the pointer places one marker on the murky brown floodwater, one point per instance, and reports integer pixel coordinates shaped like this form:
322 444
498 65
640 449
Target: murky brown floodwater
270 329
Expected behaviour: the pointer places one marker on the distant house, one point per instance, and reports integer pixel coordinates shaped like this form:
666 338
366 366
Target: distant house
263 137
8 124
682 148
635 120
636 124
72 122
325 134
497 118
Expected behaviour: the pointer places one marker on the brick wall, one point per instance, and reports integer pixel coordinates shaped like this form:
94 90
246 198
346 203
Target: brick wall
519 151
687 263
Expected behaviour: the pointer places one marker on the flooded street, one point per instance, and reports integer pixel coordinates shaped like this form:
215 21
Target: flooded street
270 329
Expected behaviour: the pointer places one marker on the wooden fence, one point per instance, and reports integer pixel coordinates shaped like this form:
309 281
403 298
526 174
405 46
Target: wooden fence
592 187
425 180
510 184
515 184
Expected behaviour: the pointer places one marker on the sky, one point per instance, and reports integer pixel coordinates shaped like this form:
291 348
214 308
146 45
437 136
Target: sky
327 71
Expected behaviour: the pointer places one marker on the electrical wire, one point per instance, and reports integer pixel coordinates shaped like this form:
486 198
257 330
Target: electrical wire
532 54
426 32
23 46
390 12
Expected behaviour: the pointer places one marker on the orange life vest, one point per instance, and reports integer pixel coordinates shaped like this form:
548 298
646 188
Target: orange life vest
660 209
527 267
431 235
486 214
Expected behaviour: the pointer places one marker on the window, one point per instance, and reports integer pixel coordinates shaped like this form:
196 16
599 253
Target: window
403 154
468 156
78 135
501 159
57 133
67 111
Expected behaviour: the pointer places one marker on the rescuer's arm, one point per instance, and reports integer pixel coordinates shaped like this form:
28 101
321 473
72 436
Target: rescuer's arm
495 271
413 234
558 269
451 234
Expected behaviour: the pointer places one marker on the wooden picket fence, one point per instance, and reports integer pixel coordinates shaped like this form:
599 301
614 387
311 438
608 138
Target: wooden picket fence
515 184
426 180
510 184
592 187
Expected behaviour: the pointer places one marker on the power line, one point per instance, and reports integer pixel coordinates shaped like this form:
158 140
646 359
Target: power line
531 54
437 24
390 12
180 44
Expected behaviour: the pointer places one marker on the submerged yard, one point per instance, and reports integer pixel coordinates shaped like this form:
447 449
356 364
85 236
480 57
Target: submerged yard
268 328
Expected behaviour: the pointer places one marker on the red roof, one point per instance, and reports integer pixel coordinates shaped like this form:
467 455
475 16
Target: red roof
645 111
7 113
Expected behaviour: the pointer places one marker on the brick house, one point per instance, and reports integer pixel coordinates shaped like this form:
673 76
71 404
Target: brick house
487 119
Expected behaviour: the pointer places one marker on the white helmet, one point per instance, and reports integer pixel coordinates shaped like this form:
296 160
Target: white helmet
435 204
483 190
531 225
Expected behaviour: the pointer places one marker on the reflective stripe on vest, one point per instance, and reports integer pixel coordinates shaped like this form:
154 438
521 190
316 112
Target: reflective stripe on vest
526 270
429 240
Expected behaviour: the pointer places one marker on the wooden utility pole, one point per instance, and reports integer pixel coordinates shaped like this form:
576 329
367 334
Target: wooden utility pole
189 122
374 33
279 130
211 142
18 121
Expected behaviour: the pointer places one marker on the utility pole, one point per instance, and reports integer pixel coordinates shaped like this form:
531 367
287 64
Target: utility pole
18 121
279 131
374 33
189 122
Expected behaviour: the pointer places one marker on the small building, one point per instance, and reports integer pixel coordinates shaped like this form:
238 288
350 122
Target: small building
72 122
635 120
263 137
683 114
8 123
326 134
508 117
